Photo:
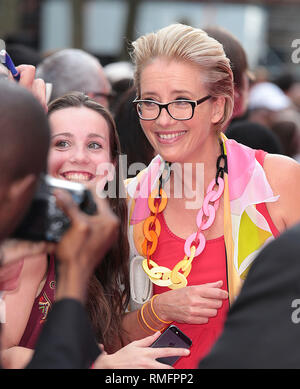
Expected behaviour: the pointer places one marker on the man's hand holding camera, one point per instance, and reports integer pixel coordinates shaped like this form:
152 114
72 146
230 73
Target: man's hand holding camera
79 251
83 245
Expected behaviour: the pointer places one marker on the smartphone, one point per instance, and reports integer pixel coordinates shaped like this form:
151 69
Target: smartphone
172 337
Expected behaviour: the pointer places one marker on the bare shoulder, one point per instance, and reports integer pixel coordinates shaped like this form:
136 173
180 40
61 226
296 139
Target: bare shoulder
283 174
281 170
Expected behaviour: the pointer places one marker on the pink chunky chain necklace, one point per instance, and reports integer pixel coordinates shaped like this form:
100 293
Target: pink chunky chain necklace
194 245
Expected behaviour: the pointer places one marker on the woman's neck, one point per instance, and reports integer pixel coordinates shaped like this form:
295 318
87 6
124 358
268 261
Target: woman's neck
189 179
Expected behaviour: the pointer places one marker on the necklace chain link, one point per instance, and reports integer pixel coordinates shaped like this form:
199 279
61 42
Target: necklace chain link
194 244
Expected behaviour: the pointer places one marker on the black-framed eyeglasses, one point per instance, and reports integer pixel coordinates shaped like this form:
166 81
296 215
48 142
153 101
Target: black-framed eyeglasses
178 109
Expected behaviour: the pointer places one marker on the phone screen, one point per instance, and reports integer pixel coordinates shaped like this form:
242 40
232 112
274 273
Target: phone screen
172 337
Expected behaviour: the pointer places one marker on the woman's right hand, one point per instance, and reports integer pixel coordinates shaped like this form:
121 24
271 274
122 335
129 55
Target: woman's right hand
138 355
193 304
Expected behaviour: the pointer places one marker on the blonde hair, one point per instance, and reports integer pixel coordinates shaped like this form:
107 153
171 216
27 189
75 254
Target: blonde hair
193 45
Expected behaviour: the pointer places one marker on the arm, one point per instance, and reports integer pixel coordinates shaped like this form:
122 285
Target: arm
23 268
23 289
283 174
126 358
192 304
16 357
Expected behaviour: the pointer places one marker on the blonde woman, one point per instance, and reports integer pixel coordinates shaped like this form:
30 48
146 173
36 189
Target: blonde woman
205 205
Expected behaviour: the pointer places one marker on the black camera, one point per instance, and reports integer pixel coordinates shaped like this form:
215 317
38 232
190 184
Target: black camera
44 221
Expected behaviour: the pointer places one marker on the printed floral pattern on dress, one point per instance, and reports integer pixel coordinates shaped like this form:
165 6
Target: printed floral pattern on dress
44 306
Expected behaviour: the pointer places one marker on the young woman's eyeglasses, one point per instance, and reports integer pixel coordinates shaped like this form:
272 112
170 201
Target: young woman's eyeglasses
177 109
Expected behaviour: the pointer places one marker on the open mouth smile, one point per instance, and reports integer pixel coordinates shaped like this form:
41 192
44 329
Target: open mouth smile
78 176
170 137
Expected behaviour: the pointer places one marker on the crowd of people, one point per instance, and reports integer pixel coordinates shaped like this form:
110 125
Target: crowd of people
190 159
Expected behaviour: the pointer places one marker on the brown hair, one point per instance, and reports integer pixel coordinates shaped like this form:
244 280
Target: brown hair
108 292
234 51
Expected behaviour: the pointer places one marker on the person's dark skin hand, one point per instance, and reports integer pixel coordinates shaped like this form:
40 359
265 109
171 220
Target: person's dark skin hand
83 245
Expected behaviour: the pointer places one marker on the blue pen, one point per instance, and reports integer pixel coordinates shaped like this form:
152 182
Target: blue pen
7 61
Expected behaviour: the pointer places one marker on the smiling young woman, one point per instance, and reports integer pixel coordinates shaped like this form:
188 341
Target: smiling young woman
83 135
76 153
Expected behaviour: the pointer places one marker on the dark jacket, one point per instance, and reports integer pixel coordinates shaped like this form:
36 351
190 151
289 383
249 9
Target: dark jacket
263 326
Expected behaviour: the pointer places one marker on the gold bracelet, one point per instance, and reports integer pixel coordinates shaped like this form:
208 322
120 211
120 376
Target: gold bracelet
152 309
153 319
142 314
138 319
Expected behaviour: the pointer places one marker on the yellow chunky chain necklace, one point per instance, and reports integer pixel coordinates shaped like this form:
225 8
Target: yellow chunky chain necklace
194 245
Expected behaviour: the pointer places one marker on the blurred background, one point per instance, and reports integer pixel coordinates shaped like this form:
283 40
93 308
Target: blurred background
265 61
268 30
